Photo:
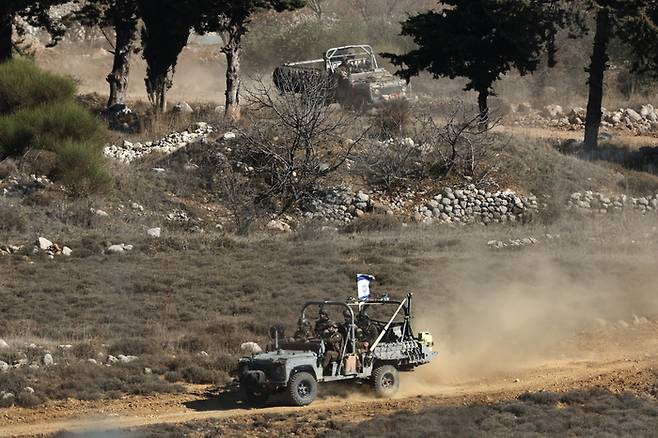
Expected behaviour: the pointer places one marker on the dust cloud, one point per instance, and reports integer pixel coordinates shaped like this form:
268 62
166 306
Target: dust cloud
506 312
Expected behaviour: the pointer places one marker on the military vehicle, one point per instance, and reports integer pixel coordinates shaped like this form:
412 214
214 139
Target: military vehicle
373 351
350 73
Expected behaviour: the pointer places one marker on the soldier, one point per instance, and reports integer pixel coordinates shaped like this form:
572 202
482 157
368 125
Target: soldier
368 329
333 342
322 323
303 332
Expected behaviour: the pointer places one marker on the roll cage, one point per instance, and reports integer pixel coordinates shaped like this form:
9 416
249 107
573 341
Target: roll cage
385 328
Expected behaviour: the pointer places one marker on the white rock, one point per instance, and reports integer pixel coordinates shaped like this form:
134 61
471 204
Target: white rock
154 232
111 359
115 249
136 206
229 135
127 359
4 367
278 225
7 395
44 243
29 390
250 348
3 344
67 251
48 359
100 213
183 108
633 115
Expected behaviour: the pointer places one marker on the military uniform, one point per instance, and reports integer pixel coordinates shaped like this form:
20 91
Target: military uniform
333 342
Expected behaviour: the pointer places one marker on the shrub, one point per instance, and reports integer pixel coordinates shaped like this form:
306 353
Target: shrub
74 135
47 127
82 167
374 222
23 85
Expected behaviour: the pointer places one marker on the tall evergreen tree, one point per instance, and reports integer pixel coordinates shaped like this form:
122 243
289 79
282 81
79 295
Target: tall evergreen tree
633 22
34 12
481 40
230 19
122 16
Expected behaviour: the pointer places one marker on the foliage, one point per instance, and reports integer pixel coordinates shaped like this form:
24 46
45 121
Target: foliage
48 127
480 40
167 25
296 140
35 13
24 85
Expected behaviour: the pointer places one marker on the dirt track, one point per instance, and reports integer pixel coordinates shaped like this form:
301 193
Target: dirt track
630 369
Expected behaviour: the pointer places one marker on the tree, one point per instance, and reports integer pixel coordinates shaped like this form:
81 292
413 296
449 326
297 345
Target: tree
122 16
34 13
230 19
632 21
167 27
481 40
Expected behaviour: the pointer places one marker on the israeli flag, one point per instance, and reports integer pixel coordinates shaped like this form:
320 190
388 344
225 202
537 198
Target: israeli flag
363 286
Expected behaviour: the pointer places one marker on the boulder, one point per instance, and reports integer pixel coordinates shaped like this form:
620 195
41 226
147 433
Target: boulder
48 359
229 136
249 348
127 359
182 108
67 251
278 226
3 344
154 232
115 249
633 115
553 112
44 244
4 367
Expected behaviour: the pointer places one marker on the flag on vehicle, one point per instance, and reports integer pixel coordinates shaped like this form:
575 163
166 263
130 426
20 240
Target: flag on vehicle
363 286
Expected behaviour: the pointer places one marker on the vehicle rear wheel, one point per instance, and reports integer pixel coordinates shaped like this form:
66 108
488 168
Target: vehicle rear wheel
302 389
386 380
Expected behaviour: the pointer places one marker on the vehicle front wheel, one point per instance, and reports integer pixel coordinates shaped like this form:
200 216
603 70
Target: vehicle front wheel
386 381
253 397
302 389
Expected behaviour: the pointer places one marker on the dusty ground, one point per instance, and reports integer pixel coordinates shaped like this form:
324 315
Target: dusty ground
624 373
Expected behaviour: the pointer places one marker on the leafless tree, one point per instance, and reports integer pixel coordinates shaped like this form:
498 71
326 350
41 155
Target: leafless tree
439 147
296 138
317 6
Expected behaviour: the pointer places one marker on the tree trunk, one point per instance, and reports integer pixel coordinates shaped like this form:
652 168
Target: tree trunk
483 105
232 109
126 34
597 68
6 29
156 88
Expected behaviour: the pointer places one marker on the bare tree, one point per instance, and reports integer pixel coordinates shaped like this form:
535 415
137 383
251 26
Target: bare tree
317 6
296 138
455 144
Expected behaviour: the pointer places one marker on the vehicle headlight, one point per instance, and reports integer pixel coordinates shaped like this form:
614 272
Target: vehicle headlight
279 372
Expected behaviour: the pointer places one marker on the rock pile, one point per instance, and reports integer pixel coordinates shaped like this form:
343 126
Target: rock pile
50 249
600 203
512 243
128 152
472 205
9 250
338 204
24 185
640 120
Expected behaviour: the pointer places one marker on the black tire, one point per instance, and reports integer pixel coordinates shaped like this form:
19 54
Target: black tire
253 397
302 389
386 381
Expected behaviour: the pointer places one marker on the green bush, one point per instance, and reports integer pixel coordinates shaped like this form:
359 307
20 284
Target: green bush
47 127
24 85
82 167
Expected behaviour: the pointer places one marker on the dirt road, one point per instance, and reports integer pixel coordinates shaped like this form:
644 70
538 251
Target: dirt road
618 370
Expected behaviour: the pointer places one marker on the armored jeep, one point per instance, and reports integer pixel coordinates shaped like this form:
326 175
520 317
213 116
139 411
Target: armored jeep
351 73
374 354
